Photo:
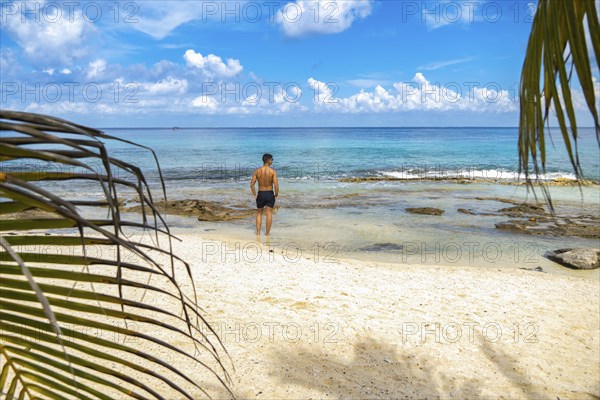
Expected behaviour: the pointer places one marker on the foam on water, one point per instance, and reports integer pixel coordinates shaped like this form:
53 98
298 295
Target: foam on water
486 174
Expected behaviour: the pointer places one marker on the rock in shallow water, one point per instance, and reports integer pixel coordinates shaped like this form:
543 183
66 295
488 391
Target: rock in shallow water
576 258
202 210
536 269
576 226
524 208
515 225
382 247
425 210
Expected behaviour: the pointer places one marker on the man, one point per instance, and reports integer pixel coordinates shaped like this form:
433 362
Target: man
268 190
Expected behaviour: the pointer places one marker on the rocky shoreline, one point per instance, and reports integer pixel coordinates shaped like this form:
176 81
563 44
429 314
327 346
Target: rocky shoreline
533 219
530 218
200 209
523 218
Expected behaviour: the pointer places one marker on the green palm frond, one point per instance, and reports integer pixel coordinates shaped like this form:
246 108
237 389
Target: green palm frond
62 337
557 47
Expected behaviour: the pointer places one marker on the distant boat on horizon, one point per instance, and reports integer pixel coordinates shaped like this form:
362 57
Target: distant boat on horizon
176 128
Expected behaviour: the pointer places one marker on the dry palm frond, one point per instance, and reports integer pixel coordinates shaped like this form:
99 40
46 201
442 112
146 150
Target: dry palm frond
60 337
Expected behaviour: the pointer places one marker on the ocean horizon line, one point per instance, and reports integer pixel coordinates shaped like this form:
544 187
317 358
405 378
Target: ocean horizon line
312 127
317 127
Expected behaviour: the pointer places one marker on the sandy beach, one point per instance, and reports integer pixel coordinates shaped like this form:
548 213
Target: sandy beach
367 290
300 328
429 172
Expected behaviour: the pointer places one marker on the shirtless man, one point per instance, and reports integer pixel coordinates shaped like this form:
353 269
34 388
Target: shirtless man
268 190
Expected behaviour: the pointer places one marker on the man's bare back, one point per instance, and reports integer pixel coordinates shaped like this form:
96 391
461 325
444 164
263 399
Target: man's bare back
268 190
265 176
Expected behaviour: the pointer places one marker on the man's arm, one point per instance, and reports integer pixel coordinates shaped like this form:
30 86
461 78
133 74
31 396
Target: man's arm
252 182
275 183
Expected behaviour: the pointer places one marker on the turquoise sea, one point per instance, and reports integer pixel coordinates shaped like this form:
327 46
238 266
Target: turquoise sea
226 155
324 218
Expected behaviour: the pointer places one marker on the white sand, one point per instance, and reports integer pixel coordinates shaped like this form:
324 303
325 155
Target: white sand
306 329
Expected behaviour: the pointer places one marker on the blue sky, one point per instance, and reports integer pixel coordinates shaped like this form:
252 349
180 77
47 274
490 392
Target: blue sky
266 63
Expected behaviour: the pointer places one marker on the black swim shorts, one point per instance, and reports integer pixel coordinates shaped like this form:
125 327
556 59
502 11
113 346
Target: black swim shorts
265 198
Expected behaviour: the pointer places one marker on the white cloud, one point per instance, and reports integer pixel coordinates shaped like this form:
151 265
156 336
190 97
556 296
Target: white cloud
283 101
96 69
166 86
164 68
439 13
66 71
213 65
323 93
577 97
416 95
366 83
305 17
51 40
262 102
174 46
8 62
208 104
63 107
159 18
441 64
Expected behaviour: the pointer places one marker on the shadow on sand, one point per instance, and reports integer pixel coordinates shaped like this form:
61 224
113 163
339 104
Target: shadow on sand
380 370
